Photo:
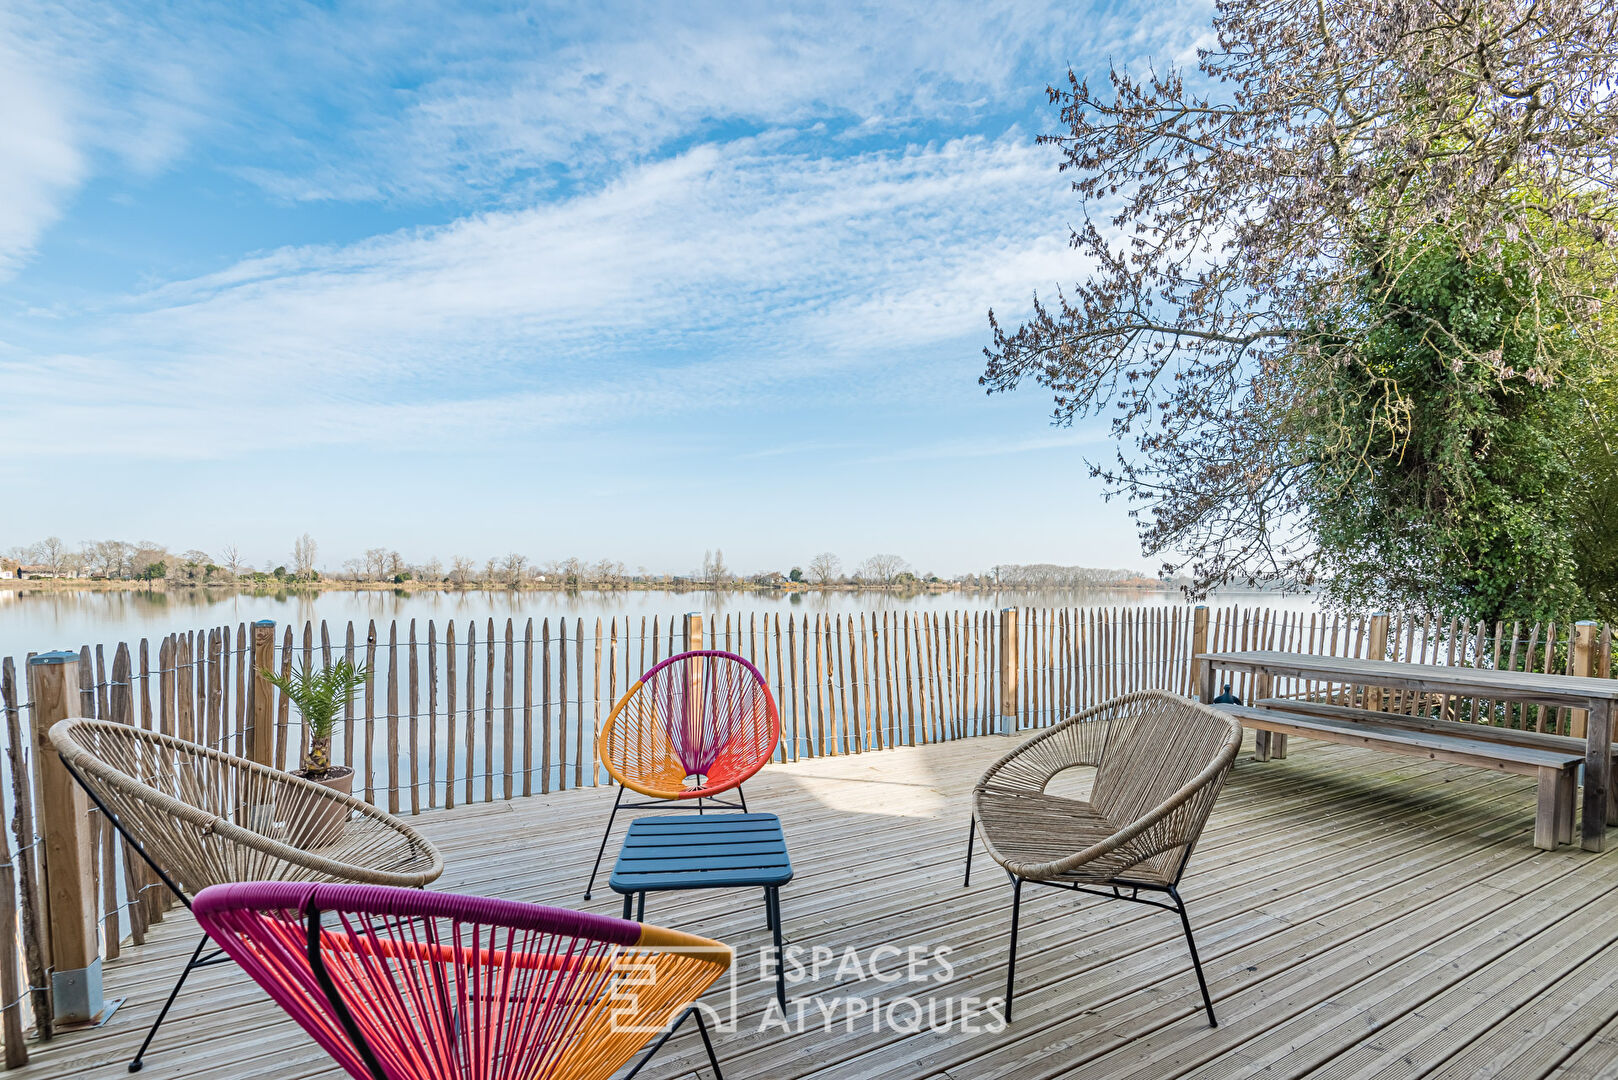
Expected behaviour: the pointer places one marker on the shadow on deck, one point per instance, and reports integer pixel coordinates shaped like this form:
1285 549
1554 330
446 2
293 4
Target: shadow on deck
1359 915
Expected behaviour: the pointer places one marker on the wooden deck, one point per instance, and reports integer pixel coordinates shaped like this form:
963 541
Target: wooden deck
1360 915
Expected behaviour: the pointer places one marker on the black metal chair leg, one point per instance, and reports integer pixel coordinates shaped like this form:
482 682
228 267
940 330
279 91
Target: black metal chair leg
702 1029
135 1065
971 835
713 1059
1011 963
596 869
1196 962
742 796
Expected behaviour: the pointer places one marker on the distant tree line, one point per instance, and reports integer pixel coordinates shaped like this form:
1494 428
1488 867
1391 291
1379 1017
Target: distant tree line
118 560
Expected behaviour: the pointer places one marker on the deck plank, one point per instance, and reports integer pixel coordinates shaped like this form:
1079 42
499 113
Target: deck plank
1358 913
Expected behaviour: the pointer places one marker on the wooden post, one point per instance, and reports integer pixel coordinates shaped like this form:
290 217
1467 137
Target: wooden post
1597 777
69 872
1008 670
693 677
261 696
1203 672
1584 663
1263 741
1376 649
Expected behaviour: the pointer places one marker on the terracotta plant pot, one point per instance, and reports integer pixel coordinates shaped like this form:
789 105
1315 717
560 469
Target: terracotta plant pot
320 825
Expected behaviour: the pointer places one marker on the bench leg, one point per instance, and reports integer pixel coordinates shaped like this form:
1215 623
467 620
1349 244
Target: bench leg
1261 746
1548 812
1567 797
1278 745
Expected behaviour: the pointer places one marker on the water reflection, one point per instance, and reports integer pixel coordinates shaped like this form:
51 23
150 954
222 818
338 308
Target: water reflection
35 620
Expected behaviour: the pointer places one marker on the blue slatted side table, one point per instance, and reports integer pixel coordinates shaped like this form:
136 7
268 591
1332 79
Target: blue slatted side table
706 851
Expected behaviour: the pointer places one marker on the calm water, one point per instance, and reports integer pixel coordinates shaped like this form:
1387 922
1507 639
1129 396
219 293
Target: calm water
37 621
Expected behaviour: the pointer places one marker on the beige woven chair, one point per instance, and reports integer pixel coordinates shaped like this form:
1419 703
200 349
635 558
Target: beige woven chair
201 817
1160 762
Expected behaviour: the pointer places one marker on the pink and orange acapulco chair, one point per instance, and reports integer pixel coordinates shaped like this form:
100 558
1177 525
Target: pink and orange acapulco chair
401 984
695 725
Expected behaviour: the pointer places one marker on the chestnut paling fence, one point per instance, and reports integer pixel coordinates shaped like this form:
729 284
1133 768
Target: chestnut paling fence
478 711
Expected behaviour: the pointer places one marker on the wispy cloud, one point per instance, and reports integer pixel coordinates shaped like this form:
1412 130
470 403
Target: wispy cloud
990 444
726 273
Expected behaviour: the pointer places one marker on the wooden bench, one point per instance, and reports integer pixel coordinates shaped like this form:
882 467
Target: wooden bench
1555 770
1538 740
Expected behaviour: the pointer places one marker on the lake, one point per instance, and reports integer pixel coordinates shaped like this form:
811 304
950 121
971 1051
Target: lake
38 620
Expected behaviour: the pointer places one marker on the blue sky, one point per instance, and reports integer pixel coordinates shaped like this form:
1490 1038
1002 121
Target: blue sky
614 281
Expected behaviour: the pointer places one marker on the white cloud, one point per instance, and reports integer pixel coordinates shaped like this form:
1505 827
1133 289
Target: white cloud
82 89
725 273
40 161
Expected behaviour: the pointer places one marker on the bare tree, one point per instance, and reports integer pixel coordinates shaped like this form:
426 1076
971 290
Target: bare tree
232 557
513 569
719 574
396 567
304 553
374 563
1255 222
461 570
107 557
52 555
429 570
570 573
825 568
882 569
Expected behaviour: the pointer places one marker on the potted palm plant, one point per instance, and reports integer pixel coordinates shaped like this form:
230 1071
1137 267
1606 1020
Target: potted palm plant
320 698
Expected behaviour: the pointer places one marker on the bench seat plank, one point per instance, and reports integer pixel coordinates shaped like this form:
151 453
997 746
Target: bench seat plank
1541 740
1555 770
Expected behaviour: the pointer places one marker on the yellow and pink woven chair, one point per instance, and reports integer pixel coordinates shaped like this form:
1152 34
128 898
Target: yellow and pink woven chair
696 725
401 984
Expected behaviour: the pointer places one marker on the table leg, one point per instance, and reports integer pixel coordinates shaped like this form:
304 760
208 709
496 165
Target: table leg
1597 778
1205 682
1545 810
629 900
640 906
772 900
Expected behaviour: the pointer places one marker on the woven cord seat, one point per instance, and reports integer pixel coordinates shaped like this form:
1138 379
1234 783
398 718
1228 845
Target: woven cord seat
1160 762
399 984
200 817
696 725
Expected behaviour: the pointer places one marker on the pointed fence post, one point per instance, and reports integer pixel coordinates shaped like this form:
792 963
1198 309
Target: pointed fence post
70 885
1008 671
693 678
1199 644
1376 649
261 696
1584 663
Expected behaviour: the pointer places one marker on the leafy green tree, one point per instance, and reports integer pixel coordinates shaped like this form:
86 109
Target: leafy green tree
1437 467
